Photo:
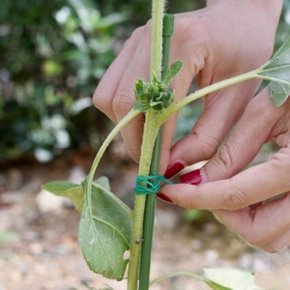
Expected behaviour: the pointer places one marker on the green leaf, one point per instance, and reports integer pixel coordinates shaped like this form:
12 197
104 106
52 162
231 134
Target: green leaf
103 181
105 231
67 189
279 92
172 71
277 72
229 279
58 186
263 85
216 286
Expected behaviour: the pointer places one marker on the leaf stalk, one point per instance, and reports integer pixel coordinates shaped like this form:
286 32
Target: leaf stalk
208 90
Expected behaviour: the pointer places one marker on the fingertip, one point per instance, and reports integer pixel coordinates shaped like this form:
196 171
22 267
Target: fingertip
180 194
164 198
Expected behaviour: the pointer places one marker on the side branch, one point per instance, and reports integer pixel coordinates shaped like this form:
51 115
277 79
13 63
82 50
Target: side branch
208 90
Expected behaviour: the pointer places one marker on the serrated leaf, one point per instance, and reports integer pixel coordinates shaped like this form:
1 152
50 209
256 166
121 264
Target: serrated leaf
229 279
172 71
67 189
104 232
277 72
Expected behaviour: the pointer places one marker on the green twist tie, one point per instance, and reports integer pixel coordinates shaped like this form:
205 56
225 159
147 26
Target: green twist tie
150 184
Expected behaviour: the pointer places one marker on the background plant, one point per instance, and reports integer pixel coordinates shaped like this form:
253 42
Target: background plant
52 57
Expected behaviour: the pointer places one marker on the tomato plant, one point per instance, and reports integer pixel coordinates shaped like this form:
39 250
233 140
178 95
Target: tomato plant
111 235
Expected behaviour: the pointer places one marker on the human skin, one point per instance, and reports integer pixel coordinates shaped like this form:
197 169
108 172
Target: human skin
230 192
227 38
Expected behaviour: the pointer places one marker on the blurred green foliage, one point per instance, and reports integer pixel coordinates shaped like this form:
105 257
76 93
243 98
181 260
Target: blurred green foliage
53 53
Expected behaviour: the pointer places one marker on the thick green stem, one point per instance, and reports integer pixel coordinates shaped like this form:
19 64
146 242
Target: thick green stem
156 38
148 227
150 133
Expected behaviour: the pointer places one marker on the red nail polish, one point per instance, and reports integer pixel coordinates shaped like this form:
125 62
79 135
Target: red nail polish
193 177
164 197
173 169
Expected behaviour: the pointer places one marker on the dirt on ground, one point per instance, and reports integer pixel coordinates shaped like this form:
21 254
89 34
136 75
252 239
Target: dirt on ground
39 247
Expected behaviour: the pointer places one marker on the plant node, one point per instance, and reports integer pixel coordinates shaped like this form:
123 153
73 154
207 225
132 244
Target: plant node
154 94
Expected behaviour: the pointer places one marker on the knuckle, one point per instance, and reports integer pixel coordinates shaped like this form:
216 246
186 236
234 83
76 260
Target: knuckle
100 102
199 33
192 44
208 149
136 34
209 145
280 162
235 198
122 103
282 158
224 157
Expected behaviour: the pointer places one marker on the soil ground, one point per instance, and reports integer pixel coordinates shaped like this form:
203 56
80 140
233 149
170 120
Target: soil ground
39 245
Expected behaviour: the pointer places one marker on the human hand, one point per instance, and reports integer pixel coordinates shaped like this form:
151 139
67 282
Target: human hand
225 39
229 192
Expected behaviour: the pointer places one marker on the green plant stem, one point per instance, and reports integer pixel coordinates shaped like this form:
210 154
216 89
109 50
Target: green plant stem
149 213
145 263
151 129
208 90
156 38
89 180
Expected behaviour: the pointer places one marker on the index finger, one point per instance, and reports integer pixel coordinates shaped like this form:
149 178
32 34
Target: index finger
253 185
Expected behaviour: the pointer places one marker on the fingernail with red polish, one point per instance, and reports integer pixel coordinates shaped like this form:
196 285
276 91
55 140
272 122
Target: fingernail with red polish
173 169
193 177
164 197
